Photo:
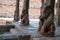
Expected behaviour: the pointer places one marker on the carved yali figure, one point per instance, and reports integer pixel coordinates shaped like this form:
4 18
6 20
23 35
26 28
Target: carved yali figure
46 25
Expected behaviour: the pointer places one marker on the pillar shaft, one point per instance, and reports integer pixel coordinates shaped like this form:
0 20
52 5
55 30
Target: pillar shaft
16 15
24 15
58 12
46 24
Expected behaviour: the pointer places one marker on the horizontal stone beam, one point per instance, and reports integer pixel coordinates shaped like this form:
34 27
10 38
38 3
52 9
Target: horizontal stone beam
6 28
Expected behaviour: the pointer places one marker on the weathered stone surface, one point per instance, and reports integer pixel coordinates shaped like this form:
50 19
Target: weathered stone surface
47 26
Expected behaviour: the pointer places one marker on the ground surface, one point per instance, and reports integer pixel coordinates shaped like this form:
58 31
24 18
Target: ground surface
32 29
34 12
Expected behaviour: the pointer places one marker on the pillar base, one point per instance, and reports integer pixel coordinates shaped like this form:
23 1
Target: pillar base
50 34
24 21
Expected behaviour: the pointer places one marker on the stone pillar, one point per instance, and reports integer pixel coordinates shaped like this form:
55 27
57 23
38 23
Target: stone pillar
25 15
58 13
16 15
46 24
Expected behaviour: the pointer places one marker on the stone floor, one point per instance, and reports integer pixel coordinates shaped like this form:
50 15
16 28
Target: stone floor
32 29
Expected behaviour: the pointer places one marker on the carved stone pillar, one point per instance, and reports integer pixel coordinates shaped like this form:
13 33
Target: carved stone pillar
16 15
46 24
24 15
58 12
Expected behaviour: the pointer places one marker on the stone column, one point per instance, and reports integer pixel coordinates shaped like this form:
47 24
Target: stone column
16 15
25 15
58 13
46 24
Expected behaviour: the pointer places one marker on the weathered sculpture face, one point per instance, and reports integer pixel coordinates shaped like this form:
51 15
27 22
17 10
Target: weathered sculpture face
47 26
